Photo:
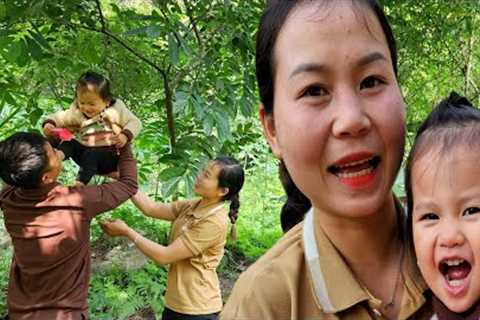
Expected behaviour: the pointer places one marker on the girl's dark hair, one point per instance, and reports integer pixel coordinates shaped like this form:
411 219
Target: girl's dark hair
273 18
231 176
23 159
101 84
454 121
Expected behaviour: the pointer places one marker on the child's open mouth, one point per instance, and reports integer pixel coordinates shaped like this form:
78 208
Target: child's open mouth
357 173
455 272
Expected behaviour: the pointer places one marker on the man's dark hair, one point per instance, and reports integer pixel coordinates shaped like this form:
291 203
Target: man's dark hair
23 159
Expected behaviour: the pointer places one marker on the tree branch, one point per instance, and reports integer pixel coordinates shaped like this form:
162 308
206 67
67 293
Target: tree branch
125 45
194 25
100 13
166 85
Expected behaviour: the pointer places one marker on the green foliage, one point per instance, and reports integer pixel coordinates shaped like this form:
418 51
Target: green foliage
186 69
5 260
119 294
258 226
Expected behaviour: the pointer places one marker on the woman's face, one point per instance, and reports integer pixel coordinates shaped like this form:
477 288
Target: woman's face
338 120
206 183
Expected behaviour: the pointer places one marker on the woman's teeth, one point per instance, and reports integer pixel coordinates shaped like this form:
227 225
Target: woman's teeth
351 164
355 174
355 168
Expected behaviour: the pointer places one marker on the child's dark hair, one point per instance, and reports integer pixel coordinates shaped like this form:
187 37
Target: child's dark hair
454 121
23 159
231 176
99 82
273 18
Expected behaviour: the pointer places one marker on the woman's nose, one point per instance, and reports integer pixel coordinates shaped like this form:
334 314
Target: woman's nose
351 118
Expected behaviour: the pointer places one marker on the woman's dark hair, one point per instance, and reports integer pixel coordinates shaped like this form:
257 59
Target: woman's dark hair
273 18
99 82
297 203
453 122
231 176
23 159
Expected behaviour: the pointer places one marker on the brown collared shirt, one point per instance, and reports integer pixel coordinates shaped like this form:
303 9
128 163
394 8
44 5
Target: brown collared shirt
192 285
50 269
280 286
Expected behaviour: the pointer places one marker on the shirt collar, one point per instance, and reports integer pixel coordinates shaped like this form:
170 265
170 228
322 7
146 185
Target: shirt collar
341 290
197 212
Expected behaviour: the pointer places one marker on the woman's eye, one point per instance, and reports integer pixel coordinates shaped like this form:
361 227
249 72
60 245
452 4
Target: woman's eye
429 216
370 82
471 210
314 91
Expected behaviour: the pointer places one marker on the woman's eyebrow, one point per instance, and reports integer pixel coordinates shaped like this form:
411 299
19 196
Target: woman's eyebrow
308 68
313 67
370 58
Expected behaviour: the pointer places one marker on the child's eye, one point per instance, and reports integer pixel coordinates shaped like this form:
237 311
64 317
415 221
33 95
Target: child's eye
429 216
371 82
470 211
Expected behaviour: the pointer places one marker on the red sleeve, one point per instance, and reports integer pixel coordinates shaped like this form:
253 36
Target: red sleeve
104 197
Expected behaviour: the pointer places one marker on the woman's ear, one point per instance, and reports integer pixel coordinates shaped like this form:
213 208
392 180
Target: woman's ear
268 124
223 192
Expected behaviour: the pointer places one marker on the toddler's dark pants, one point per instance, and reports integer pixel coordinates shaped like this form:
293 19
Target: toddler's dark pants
91 160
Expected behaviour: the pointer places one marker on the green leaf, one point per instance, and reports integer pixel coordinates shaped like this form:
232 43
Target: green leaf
14 51
223 126
172 48
169 187
171 172
10 99
198 106
181 100
189 182
34 49
208 122
40 39
3 11
152 31
245 107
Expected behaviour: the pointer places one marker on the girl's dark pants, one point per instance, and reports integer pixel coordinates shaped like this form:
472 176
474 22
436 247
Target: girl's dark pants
169 314
91 160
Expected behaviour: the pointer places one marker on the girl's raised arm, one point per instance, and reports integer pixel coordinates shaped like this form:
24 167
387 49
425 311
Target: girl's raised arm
151 208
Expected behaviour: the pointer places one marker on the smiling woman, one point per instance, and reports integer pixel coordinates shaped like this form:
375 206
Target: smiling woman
333 114
197 240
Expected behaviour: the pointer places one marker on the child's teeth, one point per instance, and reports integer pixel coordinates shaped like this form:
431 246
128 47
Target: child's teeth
454 262
455 283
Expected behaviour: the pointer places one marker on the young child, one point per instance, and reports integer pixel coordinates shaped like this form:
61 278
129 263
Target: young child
101 123
443 190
